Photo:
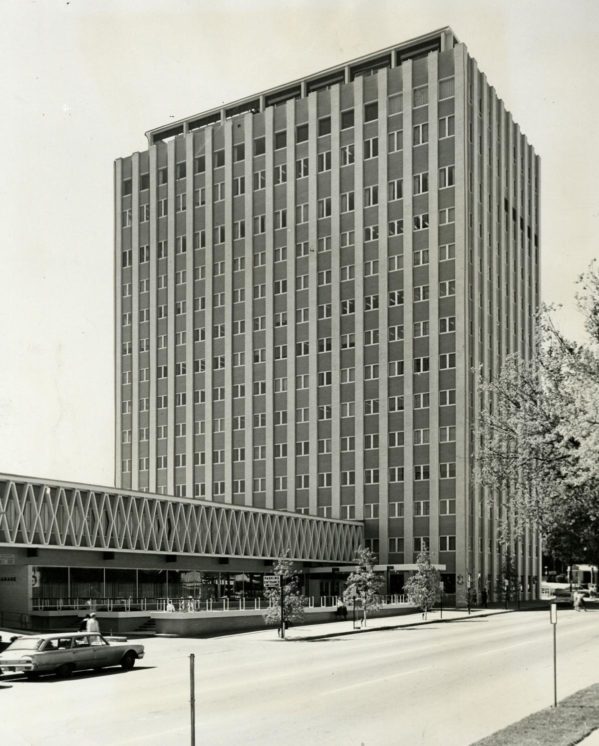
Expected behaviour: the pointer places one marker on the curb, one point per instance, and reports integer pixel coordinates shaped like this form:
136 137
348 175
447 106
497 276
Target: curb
415 623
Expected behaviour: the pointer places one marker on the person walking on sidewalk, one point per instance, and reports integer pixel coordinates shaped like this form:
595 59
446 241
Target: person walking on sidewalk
92 623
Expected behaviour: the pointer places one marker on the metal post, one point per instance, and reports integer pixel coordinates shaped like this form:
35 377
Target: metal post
555 665
192 698
282 606
354 613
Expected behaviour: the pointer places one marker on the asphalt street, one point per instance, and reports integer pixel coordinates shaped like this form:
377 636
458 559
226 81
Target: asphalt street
443 683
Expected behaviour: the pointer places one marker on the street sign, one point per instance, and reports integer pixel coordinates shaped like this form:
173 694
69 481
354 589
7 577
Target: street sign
271 581
553 613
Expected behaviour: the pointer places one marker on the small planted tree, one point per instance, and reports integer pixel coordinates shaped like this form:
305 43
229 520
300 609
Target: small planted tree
293 599
423 586
363 584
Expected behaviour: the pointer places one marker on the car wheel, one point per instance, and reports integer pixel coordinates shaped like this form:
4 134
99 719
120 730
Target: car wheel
65 670
128 661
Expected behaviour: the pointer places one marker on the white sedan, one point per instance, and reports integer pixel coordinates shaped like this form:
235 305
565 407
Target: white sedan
67 652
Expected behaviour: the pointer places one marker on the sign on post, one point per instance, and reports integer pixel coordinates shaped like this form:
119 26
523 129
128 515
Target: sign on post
271 581
553 613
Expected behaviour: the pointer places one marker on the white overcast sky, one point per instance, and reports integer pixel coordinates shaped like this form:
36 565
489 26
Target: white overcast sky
80 83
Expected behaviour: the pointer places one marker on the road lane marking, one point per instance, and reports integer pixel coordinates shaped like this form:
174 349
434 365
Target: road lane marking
376 681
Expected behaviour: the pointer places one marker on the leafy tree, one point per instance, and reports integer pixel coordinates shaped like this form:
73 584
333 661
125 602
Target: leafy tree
422 588
363 584
293 599
539 435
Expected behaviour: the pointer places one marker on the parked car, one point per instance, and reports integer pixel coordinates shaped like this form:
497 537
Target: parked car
67 652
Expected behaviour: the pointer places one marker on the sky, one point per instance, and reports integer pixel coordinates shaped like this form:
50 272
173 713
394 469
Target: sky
82 80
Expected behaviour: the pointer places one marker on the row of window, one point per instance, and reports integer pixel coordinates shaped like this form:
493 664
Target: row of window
302 134
324 479
371 406
420 185
447 289
347 443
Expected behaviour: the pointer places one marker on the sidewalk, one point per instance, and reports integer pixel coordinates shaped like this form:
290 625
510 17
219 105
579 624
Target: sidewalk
339 629
592 740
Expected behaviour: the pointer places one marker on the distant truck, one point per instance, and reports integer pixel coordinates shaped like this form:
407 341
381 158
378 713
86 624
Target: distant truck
584 577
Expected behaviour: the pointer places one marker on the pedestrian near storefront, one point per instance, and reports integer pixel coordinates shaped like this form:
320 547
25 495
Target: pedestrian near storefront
92 623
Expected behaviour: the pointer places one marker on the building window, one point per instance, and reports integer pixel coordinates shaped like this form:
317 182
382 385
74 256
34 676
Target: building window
447 507
324 207
446 397
396 403
371 337
239 152
280 139
395 141
347 272
447 434
421 292
420 183
395 189
259 180
420 134
371 476
324 161
446 216
280 174
348 478
420 96
446 88
347 155
446 176
347 119
347 239
302 481
238 185
446 288
371 111
395 368
371 196
420 257
421 329
447 543
396 227
421 508
446 252
447 470
396 298
371 233
421 364
324 126
447 360
421 222
446 126
447 324
219 158
422 401
371 148
396 474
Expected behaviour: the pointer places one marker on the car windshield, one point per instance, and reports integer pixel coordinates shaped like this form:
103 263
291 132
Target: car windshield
25 643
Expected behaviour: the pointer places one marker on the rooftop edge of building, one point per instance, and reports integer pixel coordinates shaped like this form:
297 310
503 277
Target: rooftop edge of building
7 479
435 41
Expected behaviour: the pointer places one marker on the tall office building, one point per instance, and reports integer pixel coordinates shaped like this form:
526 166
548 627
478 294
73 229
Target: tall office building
306 280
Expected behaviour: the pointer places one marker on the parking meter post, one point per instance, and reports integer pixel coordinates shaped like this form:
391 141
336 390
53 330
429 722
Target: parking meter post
282 606
192 698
